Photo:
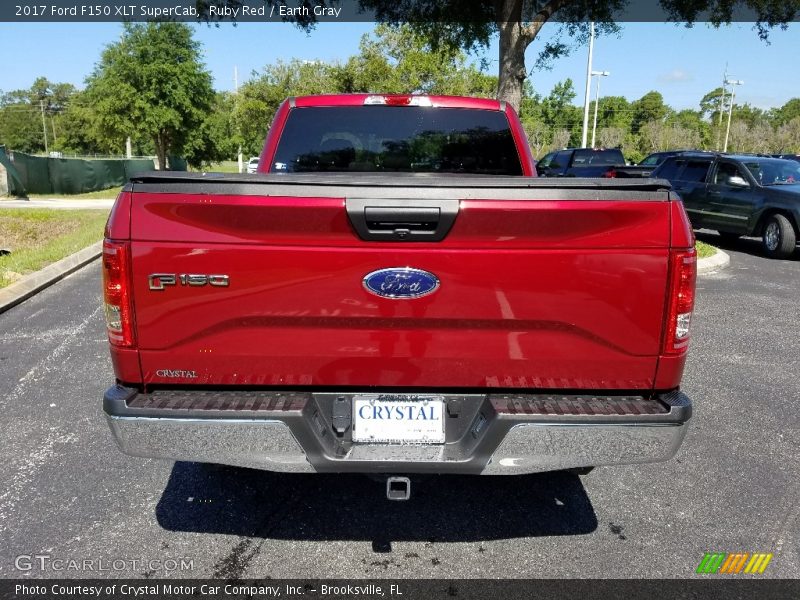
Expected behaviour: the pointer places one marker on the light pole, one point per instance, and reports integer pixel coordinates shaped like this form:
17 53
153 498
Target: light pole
588 87
733 83
597 74
239 157
721 106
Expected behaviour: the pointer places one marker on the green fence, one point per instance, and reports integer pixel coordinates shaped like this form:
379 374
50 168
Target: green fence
10 182
27 174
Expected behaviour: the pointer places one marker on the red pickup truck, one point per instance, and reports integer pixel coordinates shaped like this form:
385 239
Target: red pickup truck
396 292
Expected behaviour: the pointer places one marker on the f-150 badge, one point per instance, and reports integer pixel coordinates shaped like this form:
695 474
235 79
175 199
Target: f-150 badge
160 281
401 283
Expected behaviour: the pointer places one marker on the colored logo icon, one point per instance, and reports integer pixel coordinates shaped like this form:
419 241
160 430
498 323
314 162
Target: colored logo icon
734 563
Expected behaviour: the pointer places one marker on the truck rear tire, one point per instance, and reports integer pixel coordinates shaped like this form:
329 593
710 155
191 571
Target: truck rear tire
779 238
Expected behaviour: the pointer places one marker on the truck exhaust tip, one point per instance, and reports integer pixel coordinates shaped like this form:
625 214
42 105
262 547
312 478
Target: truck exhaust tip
398 488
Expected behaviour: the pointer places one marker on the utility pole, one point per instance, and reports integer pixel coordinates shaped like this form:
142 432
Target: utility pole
44 126
236 88
588 87
721 107
597 74
733 83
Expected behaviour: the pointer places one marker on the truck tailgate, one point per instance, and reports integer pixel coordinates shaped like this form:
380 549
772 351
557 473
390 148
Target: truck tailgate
541 285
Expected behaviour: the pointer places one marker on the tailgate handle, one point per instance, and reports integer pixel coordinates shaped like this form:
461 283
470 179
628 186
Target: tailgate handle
399 217
402 220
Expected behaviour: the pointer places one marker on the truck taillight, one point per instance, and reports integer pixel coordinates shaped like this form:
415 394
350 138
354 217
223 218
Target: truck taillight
117 293
682 278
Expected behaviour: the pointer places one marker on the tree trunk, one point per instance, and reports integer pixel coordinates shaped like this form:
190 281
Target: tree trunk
161 151
515 37
512 52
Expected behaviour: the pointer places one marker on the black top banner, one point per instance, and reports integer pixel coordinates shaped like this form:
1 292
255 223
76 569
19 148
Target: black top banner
326 11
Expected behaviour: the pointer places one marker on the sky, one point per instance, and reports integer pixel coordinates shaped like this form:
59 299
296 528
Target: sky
683 64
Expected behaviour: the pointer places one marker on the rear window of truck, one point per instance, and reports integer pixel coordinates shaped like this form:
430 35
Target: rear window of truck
396 139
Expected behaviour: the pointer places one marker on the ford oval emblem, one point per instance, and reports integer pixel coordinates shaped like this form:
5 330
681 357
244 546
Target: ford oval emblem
401 283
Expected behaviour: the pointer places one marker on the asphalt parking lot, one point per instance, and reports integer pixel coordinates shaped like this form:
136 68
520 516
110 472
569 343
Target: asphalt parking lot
65 490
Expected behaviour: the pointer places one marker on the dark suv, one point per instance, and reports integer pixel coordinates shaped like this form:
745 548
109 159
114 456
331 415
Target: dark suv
740 195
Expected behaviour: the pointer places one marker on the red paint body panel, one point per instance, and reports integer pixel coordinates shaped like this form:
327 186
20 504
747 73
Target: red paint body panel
126 364
358 100
118 226
565 294
507 224
521 140
669 372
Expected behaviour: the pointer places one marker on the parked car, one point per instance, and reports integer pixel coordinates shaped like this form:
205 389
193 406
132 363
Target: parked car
580 162
656 158
588 162
397 293
740 195
252 165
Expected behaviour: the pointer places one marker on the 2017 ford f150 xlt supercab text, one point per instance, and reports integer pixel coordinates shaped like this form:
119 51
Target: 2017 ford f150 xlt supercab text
396 292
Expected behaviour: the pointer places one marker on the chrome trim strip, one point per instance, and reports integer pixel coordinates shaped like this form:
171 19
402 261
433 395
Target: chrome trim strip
719 214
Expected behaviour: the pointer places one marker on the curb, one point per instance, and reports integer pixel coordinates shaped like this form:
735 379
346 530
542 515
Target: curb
713 263
36 282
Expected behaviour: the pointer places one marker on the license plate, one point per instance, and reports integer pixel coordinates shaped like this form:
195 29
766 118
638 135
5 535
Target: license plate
404 419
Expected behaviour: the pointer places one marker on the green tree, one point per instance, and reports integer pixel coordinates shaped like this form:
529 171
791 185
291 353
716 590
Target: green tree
151 84
751 115
650 107
614 112
215 139
517 23
400 60
260 97
77 132
21 127
471 25
787 112
711 103
787 137
393 60
692 120
22 113
559 113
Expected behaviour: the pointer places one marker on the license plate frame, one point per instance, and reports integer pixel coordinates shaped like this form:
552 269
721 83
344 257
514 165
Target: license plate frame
424 412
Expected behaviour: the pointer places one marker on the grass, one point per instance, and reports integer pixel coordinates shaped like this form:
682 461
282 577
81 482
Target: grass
40 236
98 195
705 250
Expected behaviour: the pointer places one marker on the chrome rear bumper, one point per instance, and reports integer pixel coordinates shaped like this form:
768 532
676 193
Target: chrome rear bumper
487 434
